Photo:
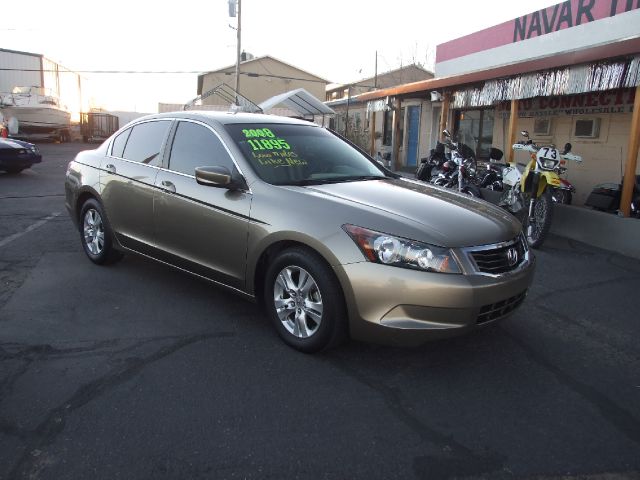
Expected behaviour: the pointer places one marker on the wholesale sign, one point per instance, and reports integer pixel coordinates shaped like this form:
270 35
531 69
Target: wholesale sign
594 103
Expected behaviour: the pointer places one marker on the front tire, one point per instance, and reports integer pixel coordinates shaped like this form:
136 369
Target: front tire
543 215
304 301
96 235
562 196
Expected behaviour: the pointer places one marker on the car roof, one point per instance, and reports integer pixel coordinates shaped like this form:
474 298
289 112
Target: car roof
228 118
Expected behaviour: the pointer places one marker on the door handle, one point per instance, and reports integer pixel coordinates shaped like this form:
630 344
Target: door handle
110 168
168 186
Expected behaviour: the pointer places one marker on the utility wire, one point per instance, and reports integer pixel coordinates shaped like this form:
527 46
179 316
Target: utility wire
159 72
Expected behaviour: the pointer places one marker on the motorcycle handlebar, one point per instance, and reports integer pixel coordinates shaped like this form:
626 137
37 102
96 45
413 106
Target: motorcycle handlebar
533 148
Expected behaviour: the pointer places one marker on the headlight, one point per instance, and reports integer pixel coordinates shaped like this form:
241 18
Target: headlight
549 164
400 252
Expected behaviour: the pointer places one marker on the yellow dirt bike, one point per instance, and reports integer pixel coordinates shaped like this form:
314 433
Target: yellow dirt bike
527 187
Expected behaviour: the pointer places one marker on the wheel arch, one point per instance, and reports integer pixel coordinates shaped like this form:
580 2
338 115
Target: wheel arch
84 195
256 277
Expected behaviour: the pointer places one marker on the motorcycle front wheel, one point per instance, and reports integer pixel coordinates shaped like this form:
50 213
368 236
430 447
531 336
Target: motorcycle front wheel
538 229
562 196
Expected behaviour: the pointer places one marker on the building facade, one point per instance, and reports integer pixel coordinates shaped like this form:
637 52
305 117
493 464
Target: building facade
371 124
586 103
566 73
260 79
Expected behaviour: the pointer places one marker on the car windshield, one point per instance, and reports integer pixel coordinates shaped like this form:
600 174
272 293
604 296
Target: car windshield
301 155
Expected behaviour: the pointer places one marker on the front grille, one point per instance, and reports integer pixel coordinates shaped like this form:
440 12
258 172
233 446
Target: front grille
496 260
497 310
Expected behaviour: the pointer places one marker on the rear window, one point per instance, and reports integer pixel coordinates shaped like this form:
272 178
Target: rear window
300 155
118 144
145 142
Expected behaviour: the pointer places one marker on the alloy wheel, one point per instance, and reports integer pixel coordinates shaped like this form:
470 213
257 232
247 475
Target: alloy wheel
93 229
298 301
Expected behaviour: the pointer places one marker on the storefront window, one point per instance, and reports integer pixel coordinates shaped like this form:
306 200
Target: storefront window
475 129
387 128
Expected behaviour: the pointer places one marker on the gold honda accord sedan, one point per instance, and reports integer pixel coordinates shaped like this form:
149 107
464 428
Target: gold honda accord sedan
289 214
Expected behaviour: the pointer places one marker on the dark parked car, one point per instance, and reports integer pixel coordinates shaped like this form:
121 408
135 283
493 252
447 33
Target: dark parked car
287 213
16 155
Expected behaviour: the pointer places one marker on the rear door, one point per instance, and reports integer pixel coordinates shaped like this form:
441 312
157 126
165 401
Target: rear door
201 228
128 176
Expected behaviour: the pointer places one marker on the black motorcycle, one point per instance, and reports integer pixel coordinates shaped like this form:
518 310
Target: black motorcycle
460 171
433 164
606 198
491 178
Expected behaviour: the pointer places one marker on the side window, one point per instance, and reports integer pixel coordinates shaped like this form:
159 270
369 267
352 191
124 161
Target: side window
145 142
197 146
119 143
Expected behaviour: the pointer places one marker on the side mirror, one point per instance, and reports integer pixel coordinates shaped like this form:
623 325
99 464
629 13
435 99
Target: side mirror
446 133
567 148
524 133
216 177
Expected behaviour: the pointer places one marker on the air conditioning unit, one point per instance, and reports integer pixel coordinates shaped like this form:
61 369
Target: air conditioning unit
587 128
542 126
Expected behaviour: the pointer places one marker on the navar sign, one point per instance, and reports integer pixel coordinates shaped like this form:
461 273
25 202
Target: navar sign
567 15
568 26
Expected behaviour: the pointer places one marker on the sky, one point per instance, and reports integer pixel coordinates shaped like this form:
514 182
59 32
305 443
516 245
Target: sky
334 39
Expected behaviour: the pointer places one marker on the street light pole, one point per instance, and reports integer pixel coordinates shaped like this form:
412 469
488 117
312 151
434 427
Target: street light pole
238 49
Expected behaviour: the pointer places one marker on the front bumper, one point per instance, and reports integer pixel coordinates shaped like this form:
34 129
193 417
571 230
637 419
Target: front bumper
19 161
397 306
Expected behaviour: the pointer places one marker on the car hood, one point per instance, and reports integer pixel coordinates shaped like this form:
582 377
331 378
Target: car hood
428 213
10 144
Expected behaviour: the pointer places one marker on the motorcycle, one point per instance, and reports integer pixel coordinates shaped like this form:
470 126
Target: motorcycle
606 198
460 171
492 177
431 165
527 188
564 192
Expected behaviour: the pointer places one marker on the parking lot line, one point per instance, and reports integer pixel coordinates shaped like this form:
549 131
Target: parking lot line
30 228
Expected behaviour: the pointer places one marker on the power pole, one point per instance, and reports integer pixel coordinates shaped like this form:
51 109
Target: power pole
375 78
238 49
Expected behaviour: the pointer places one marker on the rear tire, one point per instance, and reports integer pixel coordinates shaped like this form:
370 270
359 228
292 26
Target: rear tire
304 301
543 214
472 190
96 235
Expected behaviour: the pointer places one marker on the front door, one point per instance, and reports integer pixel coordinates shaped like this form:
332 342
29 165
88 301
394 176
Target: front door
413 134
202 229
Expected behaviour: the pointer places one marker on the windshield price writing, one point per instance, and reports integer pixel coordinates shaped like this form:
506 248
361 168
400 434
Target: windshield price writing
264 139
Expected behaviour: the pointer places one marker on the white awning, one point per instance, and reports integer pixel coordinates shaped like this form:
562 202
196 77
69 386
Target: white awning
300 101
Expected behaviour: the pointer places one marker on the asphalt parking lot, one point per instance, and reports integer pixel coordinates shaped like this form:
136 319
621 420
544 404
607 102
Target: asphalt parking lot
140 371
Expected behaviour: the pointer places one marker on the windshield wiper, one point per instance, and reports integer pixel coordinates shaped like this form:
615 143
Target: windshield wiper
302 183
322 181
357 178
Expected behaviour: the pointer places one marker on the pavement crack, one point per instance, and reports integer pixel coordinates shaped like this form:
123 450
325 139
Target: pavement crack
14 197
584 286
601 335
53 424
616 416
456 460
7 386
44 351
9 429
